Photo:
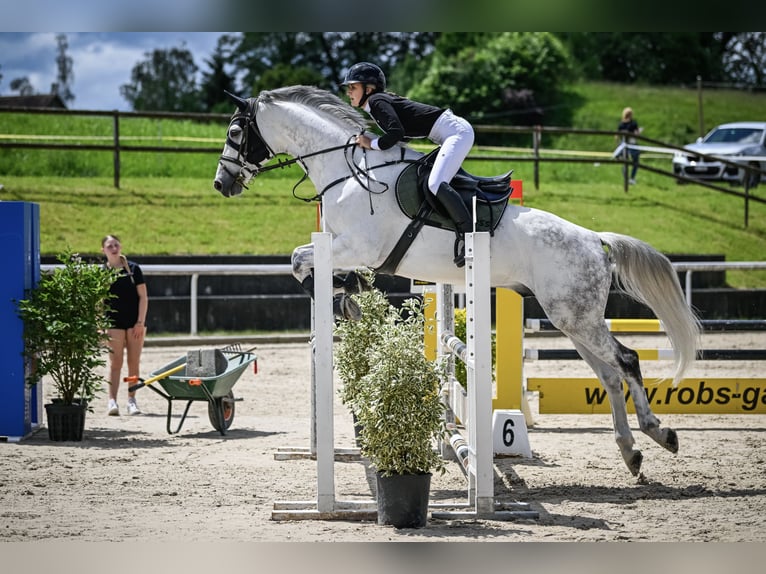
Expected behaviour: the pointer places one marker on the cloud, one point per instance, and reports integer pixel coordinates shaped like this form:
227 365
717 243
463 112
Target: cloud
39 15
101 61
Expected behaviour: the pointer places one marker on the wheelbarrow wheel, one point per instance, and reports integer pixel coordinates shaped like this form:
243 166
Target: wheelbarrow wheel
221 412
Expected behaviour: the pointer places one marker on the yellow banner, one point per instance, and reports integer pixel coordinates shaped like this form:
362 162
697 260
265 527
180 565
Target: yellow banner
741 396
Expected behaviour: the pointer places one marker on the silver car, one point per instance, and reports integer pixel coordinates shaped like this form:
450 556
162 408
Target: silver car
741 142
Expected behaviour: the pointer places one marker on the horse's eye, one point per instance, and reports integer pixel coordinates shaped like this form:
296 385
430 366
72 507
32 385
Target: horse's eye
235 132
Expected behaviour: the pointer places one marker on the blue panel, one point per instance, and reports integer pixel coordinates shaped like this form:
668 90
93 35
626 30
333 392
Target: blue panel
20 406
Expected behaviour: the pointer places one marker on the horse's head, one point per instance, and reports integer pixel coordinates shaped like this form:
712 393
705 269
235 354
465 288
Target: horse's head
244 150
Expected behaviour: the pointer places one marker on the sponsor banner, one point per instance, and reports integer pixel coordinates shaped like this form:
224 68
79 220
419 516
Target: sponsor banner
691 396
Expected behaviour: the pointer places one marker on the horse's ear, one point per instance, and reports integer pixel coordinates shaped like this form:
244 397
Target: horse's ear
241 103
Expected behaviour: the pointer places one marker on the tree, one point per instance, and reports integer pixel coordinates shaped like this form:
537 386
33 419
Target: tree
327 54
745 58
648 57
284 75
65 74
23 86
497 76
165 81
217 81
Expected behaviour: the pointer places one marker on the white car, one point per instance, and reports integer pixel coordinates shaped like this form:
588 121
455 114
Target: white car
741 142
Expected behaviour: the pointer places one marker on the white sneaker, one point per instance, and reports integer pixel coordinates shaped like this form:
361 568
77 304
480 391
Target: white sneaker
632 181
133 407
113 409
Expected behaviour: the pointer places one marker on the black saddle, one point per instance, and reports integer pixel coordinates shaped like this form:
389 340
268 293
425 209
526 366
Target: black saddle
491 192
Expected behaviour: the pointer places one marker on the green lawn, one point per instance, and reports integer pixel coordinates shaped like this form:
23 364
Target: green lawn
166 203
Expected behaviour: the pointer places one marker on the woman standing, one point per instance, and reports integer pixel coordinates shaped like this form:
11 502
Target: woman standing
127 314
630 125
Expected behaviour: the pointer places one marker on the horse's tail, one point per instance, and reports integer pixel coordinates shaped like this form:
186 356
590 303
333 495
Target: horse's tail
648 276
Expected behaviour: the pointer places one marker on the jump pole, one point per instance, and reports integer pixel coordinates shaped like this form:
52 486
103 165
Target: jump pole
656 326
326 506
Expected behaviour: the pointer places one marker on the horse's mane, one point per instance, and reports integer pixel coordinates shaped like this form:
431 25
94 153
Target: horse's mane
319 99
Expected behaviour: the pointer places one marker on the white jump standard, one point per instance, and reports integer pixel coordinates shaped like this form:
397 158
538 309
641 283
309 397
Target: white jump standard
474 409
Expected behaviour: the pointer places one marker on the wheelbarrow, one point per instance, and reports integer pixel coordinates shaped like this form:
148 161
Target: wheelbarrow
201 376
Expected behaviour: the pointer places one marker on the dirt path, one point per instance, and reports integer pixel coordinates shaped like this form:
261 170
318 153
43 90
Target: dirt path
131 480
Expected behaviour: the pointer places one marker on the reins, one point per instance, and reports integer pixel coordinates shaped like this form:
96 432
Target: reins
355 171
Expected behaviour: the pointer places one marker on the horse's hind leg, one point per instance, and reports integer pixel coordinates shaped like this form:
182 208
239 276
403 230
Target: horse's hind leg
611 380
650 425
630 371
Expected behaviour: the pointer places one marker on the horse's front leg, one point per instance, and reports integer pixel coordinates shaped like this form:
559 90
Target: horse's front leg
302 261
343 286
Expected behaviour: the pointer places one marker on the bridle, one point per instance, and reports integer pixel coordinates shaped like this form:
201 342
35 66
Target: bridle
252 150
262 152
245 119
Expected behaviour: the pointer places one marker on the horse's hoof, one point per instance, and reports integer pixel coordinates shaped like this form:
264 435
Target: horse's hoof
346 308
671 441
634 464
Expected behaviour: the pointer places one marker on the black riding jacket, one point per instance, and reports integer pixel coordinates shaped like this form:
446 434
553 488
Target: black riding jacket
400 118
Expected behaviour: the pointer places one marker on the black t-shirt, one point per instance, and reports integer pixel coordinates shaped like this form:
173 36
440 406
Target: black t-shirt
400 118
123 309
629 126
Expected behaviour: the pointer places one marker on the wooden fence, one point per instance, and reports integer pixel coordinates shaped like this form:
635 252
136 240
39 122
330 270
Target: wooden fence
537 154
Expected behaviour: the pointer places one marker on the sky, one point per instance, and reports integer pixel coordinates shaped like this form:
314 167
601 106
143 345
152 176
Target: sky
101 61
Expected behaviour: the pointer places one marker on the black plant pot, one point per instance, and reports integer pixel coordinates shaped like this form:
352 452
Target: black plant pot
403 499
65 422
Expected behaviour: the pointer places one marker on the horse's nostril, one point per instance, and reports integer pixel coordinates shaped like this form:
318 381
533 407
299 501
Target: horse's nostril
217 185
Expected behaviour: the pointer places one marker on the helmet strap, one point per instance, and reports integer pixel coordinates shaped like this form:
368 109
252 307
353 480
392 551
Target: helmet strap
365 95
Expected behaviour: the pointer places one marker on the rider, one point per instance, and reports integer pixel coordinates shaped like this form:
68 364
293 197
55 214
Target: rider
401 118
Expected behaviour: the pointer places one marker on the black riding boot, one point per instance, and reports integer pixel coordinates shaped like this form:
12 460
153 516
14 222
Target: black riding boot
459 213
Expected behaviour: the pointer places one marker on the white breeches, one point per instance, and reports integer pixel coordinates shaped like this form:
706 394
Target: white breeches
455 135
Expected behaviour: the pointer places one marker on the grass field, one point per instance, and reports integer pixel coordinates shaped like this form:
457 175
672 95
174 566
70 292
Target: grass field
166 203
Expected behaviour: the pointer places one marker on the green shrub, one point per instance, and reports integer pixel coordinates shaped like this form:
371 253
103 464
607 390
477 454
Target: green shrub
397 400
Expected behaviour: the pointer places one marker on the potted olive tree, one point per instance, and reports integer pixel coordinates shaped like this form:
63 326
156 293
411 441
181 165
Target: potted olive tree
64 330
397 403
355 339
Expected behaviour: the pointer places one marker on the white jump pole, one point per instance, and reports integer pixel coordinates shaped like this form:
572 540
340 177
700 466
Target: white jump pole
476 354
477 357
479 366
327 507
323 371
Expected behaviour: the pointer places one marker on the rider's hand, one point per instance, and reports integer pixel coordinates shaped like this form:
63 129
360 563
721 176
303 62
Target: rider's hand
363 142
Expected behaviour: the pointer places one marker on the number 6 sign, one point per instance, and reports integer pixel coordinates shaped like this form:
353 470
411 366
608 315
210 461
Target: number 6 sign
509 433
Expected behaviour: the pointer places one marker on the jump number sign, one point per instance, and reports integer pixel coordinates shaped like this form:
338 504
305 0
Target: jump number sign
509 433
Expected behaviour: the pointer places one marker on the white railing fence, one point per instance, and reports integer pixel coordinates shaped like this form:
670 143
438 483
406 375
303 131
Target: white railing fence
195 271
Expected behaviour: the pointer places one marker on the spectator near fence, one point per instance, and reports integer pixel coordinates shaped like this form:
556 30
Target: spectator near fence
629 124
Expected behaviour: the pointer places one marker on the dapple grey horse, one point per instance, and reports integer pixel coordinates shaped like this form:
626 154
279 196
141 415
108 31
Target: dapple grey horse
568 268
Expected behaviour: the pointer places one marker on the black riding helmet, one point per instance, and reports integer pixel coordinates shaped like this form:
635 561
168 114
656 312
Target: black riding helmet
366 73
